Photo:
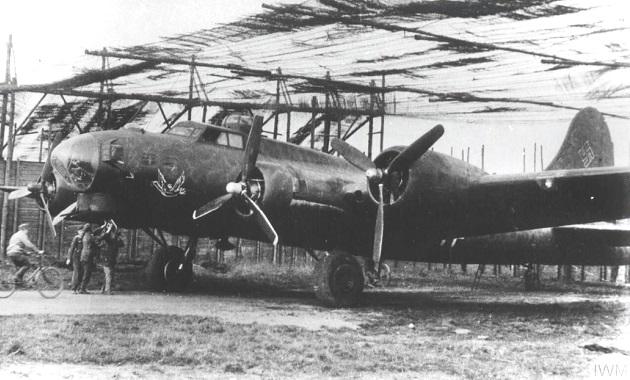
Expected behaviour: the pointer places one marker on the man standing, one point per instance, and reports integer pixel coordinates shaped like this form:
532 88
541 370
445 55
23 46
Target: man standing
88 251
74 257
17 250
111 242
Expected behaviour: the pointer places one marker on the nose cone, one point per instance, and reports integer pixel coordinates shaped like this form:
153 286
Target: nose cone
76 160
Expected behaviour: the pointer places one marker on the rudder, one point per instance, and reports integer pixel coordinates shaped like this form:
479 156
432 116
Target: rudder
587 143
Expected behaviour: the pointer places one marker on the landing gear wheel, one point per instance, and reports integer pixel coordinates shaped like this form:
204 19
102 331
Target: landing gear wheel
178 274
162 276
339 280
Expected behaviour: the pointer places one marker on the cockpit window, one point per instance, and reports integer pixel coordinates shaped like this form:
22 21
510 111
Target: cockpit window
223 138
236 141
184 131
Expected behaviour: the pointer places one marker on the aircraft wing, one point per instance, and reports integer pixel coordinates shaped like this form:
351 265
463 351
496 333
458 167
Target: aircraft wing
616 235
500 203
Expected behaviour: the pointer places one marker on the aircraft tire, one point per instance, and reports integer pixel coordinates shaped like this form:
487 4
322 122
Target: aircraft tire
155 271
339 280
177 274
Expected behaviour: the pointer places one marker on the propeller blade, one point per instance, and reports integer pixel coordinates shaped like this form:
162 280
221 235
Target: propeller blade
263 221
64 213
378 229
252 147
49 219
211 206
20 193
414 151
352 154
8 189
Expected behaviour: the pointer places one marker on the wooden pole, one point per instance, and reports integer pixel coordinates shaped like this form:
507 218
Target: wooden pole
99 112
288 126
5 97
275 119
382 133
371 124
7 175
191 84
16 204
3 123
326 146
313 116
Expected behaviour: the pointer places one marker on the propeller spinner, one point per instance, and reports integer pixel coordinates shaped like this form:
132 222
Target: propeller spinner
243 190
388 178
43 191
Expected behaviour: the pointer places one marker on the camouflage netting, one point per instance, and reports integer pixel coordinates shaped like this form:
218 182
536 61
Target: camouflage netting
465 59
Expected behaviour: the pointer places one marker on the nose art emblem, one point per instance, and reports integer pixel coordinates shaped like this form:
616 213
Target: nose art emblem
170 190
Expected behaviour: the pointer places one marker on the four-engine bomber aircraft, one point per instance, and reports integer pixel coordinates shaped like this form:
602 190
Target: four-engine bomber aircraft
207 181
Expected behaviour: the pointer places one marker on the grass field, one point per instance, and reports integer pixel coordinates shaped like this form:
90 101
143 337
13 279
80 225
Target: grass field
404 333
464 341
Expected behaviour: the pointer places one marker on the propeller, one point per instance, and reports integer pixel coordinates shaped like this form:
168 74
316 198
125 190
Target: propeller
64 213
41 190
19 193
388 178
242 190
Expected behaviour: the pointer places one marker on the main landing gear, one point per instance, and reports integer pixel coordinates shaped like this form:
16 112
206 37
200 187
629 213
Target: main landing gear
170 267
338 280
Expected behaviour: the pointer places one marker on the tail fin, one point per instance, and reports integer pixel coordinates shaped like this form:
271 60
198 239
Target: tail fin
587 143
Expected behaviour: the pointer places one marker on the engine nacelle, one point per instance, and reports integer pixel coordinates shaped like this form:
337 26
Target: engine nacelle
396 183
278 187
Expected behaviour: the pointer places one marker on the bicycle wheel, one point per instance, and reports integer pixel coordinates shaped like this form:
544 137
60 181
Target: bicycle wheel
7 283
49 282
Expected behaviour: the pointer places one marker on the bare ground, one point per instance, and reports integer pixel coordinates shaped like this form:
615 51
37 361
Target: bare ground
418 329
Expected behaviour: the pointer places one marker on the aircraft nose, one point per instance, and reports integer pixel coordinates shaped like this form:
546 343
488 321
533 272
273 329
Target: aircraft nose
76 160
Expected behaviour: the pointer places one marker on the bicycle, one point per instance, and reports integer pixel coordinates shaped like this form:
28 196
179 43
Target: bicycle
47 280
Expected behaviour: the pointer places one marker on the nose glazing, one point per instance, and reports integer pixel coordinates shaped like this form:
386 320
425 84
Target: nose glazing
75 161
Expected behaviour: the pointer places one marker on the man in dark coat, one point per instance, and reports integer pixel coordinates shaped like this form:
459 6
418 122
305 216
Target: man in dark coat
110 242
88 253
74 257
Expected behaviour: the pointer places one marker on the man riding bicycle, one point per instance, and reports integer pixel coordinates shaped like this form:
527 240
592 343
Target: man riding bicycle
18 250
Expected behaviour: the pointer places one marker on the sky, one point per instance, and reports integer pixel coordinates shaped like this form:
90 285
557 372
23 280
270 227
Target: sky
50 37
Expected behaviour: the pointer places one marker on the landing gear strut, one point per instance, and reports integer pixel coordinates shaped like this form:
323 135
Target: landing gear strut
339 280
372 276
